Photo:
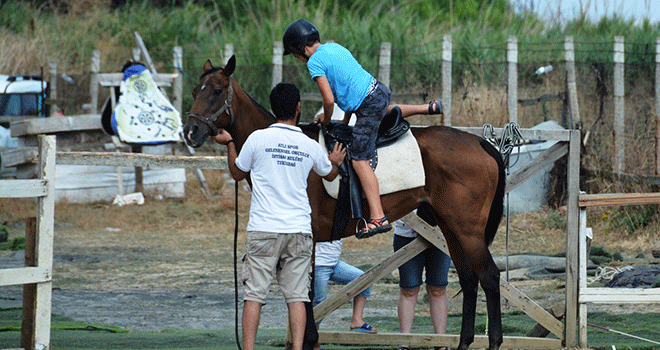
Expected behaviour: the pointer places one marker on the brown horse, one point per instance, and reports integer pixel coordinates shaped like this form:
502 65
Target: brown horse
464 185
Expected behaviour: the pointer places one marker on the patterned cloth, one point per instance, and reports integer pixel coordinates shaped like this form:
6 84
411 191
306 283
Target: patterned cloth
143 115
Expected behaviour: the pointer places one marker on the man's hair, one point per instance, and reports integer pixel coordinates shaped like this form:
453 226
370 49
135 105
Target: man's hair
284 99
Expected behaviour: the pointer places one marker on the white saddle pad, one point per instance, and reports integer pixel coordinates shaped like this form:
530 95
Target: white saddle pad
143 115
399 167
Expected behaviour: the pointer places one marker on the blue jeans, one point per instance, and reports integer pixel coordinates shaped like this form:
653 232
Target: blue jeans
433 259
341 273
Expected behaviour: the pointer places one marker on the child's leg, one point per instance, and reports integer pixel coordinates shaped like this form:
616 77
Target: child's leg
370 187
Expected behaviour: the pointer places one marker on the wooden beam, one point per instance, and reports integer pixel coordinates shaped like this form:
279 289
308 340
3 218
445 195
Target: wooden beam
10 157
531 308
53 125
23 188
377 272
549 156
24 275
619 295
141 160
614 199
527 134
115 79
429 340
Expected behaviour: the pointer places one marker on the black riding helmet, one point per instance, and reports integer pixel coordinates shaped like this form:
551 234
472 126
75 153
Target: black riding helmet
297 35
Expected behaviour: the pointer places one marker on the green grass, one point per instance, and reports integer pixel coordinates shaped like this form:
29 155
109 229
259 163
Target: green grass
68 334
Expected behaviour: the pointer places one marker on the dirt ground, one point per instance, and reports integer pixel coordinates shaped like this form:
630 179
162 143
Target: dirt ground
169 263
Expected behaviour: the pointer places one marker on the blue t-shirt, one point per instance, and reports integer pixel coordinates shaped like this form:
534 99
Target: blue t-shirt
348 80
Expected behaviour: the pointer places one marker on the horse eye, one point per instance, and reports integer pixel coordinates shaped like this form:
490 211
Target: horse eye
217 92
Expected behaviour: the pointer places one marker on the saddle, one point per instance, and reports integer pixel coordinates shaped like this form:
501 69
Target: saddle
391 128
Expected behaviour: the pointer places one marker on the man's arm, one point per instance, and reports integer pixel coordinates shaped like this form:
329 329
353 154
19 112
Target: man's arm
224 138
336 158
328 99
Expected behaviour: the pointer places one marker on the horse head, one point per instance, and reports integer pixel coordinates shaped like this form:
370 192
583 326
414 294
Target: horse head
212 103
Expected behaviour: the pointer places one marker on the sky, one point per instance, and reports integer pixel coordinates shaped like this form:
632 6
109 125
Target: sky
595 9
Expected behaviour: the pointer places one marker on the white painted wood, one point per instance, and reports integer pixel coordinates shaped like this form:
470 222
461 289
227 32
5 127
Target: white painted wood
141 160
619 107
94 81
384 63
619 295
571 84
23 188
52 125
527 134
446 77
24 275
177 83
53 85
115 79
278 52
539 162
512 86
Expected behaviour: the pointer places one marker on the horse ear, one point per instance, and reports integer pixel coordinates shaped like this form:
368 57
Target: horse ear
231 65
207 66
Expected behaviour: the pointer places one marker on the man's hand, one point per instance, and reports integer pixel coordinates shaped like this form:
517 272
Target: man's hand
223 137
337 155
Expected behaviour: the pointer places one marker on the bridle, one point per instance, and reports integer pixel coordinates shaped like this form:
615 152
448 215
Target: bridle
226 108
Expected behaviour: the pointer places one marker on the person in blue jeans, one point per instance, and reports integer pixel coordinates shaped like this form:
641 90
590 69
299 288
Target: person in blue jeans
328 267
436 264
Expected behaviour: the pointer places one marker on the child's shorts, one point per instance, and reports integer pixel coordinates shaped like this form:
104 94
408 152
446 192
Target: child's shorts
369 115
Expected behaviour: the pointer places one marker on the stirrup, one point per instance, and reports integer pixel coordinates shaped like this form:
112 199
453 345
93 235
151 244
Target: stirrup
366 232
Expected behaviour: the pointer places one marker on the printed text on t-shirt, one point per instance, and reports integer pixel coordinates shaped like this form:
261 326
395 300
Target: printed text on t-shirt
287 155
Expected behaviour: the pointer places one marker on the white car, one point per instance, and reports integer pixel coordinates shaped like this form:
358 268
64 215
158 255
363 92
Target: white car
22 96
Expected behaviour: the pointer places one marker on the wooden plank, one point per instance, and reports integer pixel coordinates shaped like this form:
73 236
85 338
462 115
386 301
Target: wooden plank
24 275
572 228
429 340
10 157
614 199
115 79
619 295
141 160
23 188
527 134
549 156
619 127
432 234
446 77
531 308
53 125
512 75
377 272
29 290
44 241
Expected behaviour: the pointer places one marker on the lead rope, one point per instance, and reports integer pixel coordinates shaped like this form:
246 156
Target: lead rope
238 340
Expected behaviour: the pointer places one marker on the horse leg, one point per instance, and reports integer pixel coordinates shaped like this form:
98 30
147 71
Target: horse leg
489 276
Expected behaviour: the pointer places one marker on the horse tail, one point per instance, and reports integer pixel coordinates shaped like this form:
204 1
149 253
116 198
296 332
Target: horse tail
497 208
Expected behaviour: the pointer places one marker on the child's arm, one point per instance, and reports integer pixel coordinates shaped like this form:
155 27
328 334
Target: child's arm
328 98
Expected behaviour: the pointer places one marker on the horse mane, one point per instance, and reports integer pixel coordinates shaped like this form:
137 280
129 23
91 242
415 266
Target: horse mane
261 108
496 210
210 71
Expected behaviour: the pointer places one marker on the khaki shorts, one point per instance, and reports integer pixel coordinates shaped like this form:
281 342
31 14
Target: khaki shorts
288 257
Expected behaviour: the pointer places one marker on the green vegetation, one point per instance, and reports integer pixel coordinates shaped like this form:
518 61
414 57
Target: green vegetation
67 334
70 32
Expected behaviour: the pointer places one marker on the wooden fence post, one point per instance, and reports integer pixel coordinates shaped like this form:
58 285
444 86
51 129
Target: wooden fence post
384 63
512 88
229 51
29 290
136 54
657 106
571 86
94 81
177 84
278 51
53 86
446 78
572 225
619 112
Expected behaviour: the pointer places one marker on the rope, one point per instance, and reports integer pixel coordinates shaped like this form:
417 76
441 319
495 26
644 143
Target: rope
238 340
511 137
608 329
606 273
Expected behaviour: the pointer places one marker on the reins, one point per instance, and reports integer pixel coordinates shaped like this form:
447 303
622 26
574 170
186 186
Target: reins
226 108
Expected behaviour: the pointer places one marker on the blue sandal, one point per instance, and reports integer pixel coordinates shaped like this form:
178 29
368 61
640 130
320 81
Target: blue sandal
435 107
366 328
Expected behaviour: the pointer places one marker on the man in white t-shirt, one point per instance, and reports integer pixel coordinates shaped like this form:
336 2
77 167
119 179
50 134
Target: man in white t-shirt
278 160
